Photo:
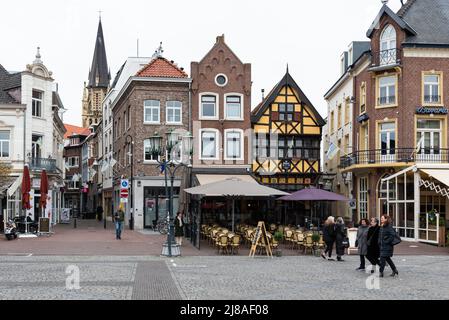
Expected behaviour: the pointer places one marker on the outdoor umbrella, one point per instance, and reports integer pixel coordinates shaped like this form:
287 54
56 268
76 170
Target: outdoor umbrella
44 190
314 194
234 188
26 188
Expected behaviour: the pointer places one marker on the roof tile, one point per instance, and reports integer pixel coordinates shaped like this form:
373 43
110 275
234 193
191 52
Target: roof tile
162 68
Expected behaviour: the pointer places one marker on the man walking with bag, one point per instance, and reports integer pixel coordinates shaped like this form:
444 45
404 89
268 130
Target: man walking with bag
119 217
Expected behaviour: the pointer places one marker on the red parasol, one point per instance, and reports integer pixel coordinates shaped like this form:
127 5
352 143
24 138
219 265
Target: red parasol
26 188
44 189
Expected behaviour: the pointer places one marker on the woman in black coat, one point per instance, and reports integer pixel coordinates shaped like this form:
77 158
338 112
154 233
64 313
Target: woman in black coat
328 237
373 253
386 237
340 235
179 228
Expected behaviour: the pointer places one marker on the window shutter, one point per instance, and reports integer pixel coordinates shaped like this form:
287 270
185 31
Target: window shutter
297 116
275 116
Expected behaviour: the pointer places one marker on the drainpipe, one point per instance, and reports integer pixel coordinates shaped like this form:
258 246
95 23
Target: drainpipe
190 107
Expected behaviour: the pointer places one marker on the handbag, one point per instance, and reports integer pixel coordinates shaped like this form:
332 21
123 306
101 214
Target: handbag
356 243
396 240
345 242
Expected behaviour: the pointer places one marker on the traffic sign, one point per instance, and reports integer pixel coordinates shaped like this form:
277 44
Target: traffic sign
124 193
124 184
123 200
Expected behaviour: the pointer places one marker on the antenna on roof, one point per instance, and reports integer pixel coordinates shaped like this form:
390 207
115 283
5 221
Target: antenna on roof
263 94
385 2
99 14
137 47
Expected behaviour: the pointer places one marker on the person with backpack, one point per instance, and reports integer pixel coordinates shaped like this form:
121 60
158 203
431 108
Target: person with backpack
387 240
119 217
329 237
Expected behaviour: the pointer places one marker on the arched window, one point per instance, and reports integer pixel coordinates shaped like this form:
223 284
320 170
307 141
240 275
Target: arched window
388 45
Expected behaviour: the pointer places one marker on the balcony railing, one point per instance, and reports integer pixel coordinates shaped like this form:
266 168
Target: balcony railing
386 58
387 156
43 163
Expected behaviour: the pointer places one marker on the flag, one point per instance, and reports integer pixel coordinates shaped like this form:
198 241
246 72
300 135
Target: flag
332 151
419 145
112 163
105 166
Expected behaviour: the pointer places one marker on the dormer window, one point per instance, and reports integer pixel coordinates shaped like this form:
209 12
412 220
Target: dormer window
387 54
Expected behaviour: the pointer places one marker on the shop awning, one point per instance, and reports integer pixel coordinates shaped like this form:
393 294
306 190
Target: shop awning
212 178
15 186
235 187
438 174
6 183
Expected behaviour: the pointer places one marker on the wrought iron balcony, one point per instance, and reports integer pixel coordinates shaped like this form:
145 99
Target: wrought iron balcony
401 155
42 163
386 58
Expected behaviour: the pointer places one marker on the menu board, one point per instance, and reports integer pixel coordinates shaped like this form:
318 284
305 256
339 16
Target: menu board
259 234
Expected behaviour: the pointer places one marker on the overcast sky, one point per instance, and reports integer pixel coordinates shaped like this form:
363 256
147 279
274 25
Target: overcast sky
308 35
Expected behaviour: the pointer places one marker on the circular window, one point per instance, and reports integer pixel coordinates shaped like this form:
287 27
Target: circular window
221 80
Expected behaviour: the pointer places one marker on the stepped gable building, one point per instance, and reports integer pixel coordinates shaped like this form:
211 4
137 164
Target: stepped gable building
98 84
401 121
155 100
221 113
287 131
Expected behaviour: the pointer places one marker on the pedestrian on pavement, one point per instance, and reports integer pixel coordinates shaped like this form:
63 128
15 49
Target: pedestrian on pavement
373 252
361 242
340 236
329 237
386 237
179 228
119 217
99 213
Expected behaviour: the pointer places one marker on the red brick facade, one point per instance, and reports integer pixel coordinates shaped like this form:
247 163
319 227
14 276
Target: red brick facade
220 60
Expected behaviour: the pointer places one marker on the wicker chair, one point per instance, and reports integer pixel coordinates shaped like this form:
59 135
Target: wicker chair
222 244
300 240
235 244
288 236
308 244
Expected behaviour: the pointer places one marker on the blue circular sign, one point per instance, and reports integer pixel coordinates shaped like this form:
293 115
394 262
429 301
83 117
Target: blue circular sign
125 184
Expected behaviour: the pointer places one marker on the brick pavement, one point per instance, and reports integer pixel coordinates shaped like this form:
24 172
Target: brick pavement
91 239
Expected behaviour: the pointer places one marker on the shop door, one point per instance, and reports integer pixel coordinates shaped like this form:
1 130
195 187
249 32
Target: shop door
432 207
150 213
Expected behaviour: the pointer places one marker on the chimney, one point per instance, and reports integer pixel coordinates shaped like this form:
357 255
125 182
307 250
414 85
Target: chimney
220 39
263 94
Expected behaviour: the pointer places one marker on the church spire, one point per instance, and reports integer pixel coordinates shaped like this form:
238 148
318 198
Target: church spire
99 76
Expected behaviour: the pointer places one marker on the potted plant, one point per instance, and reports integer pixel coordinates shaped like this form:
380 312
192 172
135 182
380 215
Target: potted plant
315 239
278 236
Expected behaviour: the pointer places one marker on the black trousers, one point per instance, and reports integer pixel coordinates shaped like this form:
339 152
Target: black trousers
383 261
329 248
362 261
374 260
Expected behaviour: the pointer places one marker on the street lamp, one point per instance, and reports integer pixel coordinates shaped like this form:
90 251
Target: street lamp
170 167
129 140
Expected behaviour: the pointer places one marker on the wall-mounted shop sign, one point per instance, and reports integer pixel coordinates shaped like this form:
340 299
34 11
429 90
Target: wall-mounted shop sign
426 110
364 117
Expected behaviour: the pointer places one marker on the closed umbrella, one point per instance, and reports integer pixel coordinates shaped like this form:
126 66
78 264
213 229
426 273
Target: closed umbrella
44 190
26 188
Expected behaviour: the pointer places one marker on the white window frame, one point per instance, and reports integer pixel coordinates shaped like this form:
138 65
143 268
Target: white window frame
77 162
388 93
388 43
41 101
225 103
217 144
145 161
242 144
431 85
167 108
145 108
217 106
9 145
363 200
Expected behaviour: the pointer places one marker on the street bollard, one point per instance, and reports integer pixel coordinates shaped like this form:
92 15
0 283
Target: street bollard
74 223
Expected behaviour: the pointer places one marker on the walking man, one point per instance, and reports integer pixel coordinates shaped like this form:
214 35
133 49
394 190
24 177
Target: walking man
119 217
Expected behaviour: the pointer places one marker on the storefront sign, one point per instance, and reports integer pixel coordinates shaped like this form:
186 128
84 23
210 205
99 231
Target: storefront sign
426 110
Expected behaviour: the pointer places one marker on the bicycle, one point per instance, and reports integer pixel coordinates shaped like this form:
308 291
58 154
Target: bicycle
162 227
